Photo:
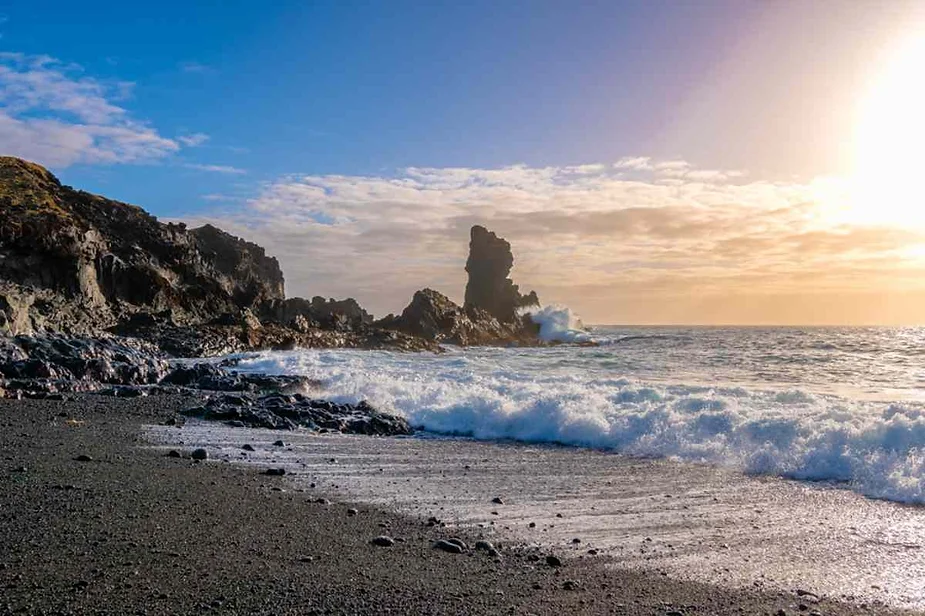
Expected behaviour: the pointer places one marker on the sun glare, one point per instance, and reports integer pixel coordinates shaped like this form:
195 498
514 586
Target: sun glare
889 155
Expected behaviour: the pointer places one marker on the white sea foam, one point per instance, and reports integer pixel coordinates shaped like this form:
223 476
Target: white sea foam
558 323
547 395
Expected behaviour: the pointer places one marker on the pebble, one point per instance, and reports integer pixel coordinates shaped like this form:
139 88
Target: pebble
279 444
83 458
173 453
532 524
576 540
553 561
199 454
247 447
448 546
352 512
497 500
571 585
484 545
383 541
275 472
322 501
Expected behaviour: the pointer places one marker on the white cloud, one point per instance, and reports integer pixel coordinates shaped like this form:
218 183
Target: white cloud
639 163
53 114
193 140
216 168
578 232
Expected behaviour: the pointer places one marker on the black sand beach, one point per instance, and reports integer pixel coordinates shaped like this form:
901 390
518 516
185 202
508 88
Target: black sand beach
132 531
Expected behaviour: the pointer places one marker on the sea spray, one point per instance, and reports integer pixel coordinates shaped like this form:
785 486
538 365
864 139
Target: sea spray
558 323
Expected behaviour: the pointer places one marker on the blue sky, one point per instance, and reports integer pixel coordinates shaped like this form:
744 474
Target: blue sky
385 128
360 88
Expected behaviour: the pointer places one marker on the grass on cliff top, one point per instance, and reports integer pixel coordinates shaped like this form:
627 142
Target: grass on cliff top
30 187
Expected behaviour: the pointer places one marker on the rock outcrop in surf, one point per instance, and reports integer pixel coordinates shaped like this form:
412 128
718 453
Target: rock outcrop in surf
489 288
433 316
492 312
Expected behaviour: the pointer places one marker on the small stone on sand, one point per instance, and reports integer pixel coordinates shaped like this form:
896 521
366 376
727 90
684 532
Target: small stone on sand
383 541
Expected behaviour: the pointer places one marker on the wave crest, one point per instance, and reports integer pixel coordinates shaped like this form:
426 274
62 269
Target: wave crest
874 448
558 323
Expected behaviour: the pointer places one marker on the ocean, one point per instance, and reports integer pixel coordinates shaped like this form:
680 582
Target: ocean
770 458
843 407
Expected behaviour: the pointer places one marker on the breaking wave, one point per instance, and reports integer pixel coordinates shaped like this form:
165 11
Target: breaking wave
536 395
558 324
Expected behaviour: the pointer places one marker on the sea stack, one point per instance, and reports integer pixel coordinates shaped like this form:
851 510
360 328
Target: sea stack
489 288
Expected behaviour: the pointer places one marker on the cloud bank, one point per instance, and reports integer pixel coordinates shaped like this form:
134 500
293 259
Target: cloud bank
50 112
633 240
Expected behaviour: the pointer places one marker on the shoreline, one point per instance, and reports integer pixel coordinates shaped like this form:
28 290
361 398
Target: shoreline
134 531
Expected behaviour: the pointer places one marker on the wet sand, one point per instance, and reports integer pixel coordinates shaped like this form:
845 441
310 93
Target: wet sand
134 531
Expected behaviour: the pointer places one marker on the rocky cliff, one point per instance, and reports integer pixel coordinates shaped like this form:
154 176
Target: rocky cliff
78 263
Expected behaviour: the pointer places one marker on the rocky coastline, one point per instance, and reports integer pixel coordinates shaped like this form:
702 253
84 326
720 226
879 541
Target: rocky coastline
99 296
77 264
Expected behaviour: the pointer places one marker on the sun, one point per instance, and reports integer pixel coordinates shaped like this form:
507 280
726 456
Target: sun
888 182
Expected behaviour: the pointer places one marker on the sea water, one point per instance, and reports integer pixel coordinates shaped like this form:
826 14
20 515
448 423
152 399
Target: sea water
844 406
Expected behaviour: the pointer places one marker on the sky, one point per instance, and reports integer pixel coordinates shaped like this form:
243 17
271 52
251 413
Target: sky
715 162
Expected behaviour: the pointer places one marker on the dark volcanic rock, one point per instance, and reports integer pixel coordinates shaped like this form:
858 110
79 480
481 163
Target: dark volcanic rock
303 315
247 274
215 378
278 411
383 541
491 312
77 263
489 288
55 363
448 546
433 316
220 339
